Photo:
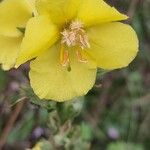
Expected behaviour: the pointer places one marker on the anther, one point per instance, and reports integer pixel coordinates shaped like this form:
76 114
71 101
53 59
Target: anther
64 57
75 35
80 57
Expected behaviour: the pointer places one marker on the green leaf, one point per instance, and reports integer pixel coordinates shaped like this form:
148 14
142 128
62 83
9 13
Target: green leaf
23 129
47 104
86 131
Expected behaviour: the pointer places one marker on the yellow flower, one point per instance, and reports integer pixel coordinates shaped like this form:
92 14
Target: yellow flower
38 146
14 15
70 39
42 145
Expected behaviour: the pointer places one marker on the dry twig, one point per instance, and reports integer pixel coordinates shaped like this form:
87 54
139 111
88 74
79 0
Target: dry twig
10 123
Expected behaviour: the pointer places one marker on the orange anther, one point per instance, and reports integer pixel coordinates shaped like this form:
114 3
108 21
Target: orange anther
80 57
64 57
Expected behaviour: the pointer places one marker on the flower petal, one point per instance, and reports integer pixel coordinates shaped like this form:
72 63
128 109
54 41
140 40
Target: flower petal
113 45
40 34
60 10
50 80
93 12
31 3
13 14
9 48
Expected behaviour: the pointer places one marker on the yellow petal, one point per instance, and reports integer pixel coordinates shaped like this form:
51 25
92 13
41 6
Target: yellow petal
60 11
13 14
40 34
93 12
50 80
9 48
31 3
38 146
113 45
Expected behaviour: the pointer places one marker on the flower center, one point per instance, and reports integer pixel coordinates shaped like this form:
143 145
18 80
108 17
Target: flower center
75 35
72 36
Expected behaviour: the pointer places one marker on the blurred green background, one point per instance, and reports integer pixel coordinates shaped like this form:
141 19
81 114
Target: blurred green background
114 115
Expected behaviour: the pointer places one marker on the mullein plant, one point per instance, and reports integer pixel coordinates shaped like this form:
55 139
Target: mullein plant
67 40
14 15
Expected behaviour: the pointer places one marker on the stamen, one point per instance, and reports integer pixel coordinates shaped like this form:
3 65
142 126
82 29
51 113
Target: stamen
76 25
83 39
80 57
75 35
64 57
